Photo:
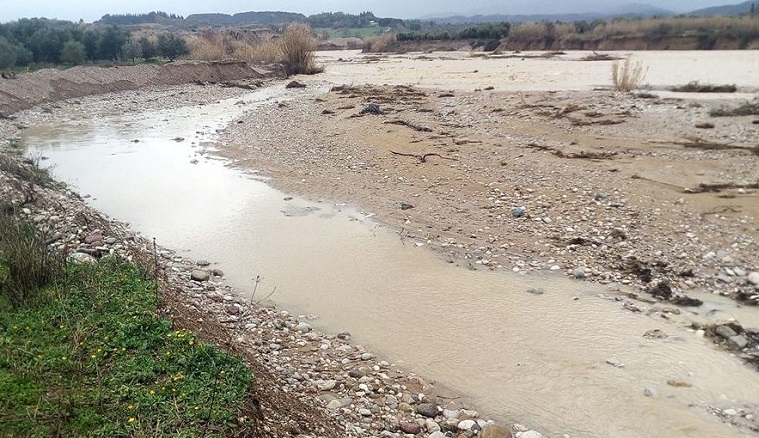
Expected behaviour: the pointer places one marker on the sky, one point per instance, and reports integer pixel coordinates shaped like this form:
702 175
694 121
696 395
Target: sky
91 10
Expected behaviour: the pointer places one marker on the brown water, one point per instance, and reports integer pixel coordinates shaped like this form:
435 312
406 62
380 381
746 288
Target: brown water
538 359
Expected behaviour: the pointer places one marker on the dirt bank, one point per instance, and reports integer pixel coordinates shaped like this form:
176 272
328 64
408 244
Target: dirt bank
51 85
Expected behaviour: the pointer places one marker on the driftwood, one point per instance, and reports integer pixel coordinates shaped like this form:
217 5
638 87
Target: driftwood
409 124
423 158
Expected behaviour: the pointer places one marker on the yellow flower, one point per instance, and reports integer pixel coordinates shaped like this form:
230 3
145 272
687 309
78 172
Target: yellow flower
63 357
192 342
152 392
130 407
93 356
131 419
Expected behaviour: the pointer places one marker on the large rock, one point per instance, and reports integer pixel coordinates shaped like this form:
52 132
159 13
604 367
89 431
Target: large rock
427 409
200 275
80 258
753 278
725 331
738 342
411 427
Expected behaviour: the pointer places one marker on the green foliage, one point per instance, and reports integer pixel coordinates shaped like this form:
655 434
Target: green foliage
127 19
110 42
99 361
489 31
73 53
172 46
8 55
148 48
132 49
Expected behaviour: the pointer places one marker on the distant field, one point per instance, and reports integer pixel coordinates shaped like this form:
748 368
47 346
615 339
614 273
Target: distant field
354 32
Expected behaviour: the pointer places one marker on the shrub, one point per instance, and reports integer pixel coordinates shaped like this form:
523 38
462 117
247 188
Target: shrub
73 53
626 76
381 43
26 264
297 46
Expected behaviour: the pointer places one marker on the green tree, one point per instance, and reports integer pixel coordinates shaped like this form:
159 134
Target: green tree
7 54
132 50
73 53
172 46
148 47
110 42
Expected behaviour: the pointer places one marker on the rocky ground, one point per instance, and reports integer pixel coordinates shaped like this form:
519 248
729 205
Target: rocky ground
605 187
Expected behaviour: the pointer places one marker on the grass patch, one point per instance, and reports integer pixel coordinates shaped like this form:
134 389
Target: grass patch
626 76
98 360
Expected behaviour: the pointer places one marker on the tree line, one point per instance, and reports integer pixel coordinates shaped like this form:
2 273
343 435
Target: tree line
42 41
489 31
132 19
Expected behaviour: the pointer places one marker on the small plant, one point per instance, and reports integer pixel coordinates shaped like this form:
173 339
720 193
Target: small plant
626 76
297 46
26 264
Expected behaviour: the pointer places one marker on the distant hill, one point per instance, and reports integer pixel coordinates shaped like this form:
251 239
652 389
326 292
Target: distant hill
633 10
243 18
741 8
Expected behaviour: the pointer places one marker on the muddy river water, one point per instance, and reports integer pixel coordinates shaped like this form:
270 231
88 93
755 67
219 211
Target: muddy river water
539 359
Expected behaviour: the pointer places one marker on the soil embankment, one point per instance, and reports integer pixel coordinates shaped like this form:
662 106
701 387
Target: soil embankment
50 85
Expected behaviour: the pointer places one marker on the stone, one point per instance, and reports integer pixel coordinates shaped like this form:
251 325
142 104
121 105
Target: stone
427 410
615 362
466 424
200 275
203 263
518 211
739 272
738 342
753 278
431 425
405 407
326 385
438 434
80 258
725 331
365 412
92 238
411 427
493 431
334 404
372 108
579 274
217 272
367 356
110 240
295 84
451 413
233 310
730 412
650 392
536 291
303 327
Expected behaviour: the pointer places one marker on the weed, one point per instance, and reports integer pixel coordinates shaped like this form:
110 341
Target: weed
100 361
626 76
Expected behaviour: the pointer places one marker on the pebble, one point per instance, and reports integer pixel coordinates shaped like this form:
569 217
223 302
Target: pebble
753 278
411 427
466 424
536 291
650 392
200 275
615 362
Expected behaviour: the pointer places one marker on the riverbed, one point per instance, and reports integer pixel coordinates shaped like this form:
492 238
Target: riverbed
557 353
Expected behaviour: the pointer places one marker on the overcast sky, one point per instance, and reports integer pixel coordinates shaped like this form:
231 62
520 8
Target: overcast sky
91 10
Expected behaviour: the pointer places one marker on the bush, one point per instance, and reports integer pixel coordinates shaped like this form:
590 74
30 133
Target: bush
627 76
172 46
297 46
381 43
26 264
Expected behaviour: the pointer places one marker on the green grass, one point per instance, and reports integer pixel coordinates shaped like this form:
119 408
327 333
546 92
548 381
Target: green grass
96 359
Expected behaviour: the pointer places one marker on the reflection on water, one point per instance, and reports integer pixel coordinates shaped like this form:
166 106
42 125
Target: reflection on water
537 358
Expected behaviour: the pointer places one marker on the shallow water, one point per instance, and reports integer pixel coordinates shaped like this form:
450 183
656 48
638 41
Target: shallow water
540 359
